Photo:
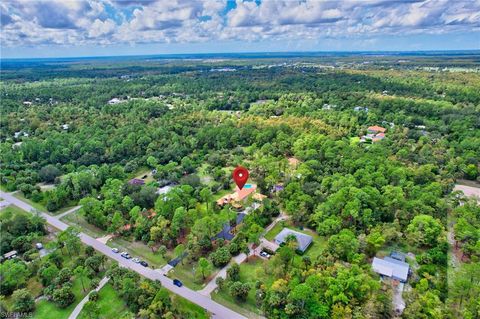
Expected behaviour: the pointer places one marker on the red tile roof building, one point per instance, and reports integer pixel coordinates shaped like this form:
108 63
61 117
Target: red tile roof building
376 129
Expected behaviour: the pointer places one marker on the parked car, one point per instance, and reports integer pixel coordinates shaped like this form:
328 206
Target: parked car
39 246
177 283
115 250
264 254
144 263
136 260
125 255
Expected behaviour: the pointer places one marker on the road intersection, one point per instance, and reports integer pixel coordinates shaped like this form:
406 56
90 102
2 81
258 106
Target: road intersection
218 311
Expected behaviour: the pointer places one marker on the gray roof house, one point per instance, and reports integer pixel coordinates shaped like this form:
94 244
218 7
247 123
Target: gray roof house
303 240
10 254
391 267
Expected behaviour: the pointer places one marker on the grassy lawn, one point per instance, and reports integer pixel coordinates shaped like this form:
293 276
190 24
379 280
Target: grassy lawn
189 309
274 231
76 219
37 206
35 287
142 172
41 207
186 275
62 210
140 250
11 210
110 304
250 272
46 309
204 176
221 193
319 243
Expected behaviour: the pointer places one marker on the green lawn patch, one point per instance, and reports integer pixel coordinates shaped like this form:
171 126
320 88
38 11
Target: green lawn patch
274 231
11 210
46 309
41 207
63 209
250 272
142 172
35 287
186 274
319 243
76 219
37 206
110 304
140 250
188 309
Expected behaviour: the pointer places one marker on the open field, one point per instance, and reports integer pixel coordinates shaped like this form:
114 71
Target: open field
76 219
250 272
47 310
41 207
12 209
110 305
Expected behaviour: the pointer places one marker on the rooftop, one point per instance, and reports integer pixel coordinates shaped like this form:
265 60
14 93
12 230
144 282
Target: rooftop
391 267
136 181
376 129
303 240
245 191
10 254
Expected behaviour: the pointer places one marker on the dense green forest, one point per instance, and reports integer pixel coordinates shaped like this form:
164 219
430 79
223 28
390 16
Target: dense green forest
86 129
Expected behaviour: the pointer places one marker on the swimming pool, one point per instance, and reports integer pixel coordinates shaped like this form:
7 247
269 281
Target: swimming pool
247 186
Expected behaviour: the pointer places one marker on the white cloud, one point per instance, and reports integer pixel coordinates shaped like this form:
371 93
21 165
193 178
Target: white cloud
26 22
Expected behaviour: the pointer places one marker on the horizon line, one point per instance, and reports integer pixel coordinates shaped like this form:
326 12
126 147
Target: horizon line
243 53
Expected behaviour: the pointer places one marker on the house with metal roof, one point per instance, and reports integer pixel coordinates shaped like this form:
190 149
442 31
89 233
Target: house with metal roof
136 181
392 268
11 254
303 240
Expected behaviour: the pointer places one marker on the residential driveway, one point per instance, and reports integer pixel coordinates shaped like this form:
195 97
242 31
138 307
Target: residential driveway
398 301
80 305
218 311
74 209
212 284
468 191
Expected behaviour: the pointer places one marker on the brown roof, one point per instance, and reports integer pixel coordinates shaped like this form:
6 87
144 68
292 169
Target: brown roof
259 196
293 161
244 192
239 195
376 128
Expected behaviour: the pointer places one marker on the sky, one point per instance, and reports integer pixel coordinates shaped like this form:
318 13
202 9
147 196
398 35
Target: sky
64 28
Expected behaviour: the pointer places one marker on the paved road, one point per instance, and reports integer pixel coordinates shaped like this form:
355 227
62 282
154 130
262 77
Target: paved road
80 305
218 311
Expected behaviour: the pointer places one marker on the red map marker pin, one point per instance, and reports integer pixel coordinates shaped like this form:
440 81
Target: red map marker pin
240 176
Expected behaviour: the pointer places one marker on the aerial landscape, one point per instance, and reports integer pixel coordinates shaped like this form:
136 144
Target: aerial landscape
149 172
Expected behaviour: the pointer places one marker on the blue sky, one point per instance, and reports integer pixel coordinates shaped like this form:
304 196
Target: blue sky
52 28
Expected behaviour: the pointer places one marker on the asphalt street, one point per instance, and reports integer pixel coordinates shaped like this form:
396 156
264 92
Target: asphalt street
218 311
